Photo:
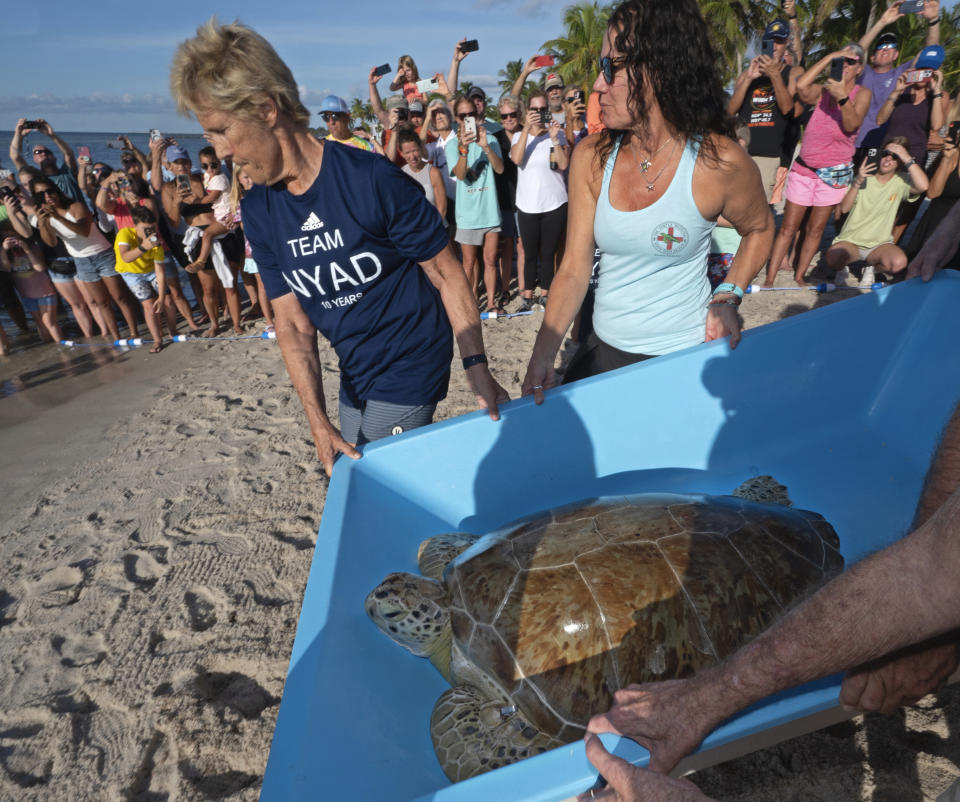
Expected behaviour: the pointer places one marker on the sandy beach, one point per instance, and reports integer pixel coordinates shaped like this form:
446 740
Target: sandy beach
159 519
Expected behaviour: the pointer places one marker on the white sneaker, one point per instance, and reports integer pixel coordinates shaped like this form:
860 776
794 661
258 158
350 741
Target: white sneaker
842 277
869 277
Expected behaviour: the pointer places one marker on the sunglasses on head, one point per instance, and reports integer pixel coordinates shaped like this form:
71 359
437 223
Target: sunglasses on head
466 114
608 65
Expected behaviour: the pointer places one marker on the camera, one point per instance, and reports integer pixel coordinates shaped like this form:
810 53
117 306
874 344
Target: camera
545 117
31 125
6 192
402 114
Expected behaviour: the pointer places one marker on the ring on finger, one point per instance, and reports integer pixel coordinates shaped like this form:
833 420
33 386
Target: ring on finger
538 387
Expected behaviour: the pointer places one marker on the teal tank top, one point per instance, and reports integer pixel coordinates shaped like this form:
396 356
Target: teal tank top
652 289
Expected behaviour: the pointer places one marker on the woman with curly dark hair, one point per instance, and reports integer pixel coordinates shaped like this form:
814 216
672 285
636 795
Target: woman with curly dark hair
649 190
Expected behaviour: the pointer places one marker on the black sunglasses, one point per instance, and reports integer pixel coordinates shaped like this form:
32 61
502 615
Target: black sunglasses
39 151
850 61
891 154
509 115
329 115
208 165
466 114
607 66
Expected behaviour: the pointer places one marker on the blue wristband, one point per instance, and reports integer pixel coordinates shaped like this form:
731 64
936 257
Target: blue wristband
728 287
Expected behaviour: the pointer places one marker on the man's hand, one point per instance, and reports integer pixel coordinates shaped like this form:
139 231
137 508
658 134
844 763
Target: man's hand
629 783
459 54
46 128
723 319
663 717
753 71
374 78
892 14
18 128
767 66
329 443
488 392
931 10
901 679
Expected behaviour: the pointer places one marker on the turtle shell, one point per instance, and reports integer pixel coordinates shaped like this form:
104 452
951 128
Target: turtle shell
561 610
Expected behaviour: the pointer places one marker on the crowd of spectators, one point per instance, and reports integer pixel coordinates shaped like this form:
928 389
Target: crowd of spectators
858 138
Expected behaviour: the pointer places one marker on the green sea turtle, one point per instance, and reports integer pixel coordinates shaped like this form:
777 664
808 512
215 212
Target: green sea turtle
537 624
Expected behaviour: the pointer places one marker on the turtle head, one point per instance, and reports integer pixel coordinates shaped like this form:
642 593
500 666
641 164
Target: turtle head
413 611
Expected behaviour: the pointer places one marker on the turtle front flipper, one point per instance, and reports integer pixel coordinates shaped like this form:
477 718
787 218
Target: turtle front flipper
437 552
472 733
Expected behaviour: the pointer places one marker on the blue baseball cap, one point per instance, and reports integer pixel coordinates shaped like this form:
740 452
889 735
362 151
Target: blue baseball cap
777 29
175 152
930 58
334 104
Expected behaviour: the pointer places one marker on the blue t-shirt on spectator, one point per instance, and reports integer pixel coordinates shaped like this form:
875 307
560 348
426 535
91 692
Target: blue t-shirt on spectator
881 85
348 249
477 205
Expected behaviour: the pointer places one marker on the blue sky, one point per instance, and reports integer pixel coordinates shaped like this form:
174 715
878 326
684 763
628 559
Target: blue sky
104 66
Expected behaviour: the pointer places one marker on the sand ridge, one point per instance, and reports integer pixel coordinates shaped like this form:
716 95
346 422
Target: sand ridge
149 599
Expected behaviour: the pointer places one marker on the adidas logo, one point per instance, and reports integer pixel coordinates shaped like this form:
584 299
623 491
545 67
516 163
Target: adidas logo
312 223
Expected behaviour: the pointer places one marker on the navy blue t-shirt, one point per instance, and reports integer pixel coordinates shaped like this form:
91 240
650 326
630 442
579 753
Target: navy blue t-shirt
348 249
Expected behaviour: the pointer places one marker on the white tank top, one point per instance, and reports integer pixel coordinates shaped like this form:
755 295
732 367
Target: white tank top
90 245
652 290
423 179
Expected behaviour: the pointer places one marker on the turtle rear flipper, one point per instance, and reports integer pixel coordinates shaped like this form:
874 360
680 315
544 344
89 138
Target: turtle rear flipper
437 552
473 734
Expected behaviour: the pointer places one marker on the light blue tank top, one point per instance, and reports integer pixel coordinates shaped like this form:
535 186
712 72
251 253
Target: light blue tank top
653 290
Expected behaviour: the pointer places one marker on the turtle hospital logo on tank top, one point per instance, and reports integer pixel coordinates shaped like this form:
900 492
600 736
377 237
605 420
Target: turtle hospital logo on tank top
669 238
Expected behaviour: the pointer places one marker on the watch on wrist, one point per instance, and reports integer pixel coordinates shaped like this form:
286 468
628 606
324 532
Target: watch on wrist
475 359
843 101
909 164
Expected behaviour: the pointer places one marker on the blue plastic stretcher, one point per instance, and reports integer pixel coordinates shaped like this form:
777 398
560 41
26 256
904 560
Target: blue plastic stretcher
844 405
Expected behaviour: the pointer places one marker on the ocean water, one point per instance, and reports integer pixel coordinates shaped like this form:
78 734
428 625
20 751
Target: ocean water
104 147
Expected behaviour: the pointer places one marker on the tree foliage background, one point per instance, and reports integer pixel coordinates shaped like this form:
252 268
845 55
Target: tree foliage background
735 28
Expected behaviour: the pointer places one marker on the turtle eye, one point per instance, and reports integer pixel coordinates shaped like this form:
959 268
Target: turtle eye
394 614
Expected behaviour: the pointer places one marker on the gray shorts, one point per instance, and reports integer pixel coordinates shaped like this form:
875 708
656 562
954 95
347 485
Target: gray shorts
474 236
380 419
142 285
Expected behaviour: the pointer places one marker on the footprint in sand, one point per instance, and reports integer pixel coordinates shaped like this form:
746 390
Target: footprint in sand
233 690
142 569
80 650
267 589
26 764
56 588
201 608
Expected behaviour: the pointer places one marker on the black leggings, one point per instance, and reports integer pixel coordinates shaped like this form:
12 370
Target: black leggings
541 234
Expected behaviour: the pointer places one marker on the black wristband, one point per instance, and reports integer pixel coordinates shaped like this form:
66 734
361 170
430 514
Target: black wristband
932 22
476 359
843 101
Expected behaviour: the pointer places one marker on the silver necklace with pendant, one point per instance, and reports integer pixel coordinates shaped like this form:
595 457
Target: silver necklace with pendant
646 164
665 165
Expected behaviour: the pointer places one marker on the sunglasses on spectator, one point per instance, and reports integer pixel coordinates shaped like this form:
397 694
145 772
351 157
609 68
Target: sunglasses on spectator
851 60
99 169
466 114
331 115
891 154
209 165
130 161
40 196
510 115
537 108
607 66
40 151
887 46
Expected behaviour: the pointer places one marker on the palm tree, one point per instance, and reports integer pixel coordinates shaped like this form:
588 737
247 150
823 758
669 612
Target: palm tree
577 50
731 25
361 112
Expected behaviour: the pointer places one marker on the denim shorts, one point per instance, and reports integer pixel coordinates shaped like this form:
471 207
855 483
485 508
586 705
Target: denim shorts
93 268
34 305
58 278
143 285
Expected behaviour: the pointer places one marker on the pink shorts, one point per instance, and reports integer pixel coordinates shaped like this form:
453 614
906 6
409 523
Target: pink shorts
805 189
